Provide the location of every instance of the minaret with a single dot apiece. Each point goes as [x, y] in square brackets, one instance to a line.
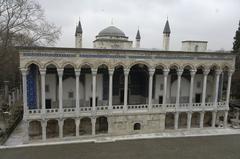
[166, 36]
[78, 36]
[138, 38]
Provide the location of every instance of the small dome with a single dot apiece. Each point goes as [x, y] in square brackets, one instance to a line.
[112, 31]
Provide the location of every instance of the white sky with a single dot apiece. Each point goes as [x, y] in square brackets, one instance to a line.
[212, 20]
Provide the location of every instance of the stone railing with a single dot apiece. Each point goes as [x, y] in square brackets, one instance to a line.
[158, 108]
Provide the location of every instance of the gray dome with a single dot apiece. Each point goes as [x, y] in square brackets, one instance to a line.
[112, 31]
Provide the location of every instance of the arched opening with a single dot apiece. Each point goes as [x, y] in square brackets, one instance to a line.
[158, 85]
[198, 85]
[33, 87]
[182, 120]
[35, 130]
[207, 119]
[85, 86]
[69, 127]
[224, 83]
[169, 121]
[101, 125]
[138, 84]
[211, 84]
[195, 121]
[102, 86]
[137, 126]
[85, 126]
[52, 128]
[118, 85]
[173, 83]
[51, 87]
[69, 87]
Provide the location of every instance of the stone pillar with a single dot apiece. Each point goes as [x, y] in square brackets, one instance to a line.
[176, 120]
[60, 90]
[94, 76]
[225, 119]
[110, 72]
[205, 74]
[43, 78]
[24, 85]
[179, 74]
[192, 72]
[214, 115]
[229, 87]
[26, 134]
[150, 88]
[93, 126]
[165, 78]
[189, 120]
[201, 119]
[60, 124]
[44, 130]
[77, 74]
[13, 97]
[217, 74]
[77, 122]
[6, 90]
[126, 72]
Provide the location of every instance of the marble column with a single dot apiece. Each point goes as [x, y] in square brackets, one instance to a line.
[77, 74]
[44, 130]
[60, 124]
[229, 86]
[60, 89]
[77, 122]
[126, 72]
[205, 74]
[214, 116]
[110, 72]
[192, 73]
[217, 75]
[201, 119]
[176, 115]
[165, 78]
[94, 76]
[93, 126]
[179, 74]
[225, 119]
[189, 120]
[43, 78]
[24, 86]
[150, 88]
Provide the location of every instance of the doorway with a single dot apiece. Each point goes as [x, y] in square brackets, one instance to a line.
[198, 97]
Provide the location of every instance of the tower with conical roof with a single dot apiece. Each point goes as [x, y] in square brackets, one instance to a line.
[166, 36]
[78, 35]
[138, 39]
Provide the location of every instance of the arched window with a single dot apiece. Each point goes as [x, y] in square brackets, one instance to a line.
[196, 48]
[137, 126]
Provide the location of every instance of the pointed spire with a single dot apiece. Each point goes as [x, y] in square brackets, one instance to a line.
[78, 28]
[167, 28]
[138, 36]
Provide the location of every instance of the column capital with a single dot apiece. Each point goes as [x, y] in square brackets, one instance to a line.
[42, 72]
[179, 72]
[165, 72]
[60, 71]
[94, 71]
[193, 72]
[206, 72]
[111, 71]
[77, 71]
[218, 72]
[230, 72]
[24, 71]
[126, 71]
[151, 71]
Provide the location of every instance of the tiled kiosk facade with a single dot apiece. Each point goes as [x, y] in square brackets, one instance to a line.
[136, 91]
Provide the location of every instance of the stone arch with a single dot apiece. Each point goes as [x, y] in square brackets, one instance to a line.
[195, 121]
[52, 129]
[35, 129]
[160, 66]
[103, 64]
[182, 120]
[188, 66]
[226, 67]
[88, 64]
[38, 64]
[174, 66]
[51, 63]
[137, 126]
[214, 66]
[121, 64]
[139, 63]
[201, 67]
[169, 120]
[68, 63]
[69, 127]
[101, 125]
[85, 126]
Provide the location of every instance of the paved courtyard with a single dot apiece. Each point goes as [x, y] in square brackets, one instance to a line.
[208, 147]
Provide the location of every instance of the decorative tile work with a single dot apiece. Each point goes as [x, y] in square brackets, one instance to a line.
[49, 54]
[31, 88]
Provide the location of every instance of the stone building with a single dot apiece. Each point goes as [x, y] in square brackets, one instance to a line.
[116, 88]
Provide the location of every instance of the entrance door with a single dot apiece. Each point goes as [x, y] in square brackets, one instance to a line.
[160, 100]
[198, 98]
[48, 103]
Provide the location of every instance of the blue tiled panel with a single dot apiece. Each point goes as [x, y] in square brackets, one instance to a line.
[31, 88]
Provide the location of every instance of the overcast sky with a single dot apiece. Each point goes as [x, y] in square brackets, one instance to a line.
[212, 20]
